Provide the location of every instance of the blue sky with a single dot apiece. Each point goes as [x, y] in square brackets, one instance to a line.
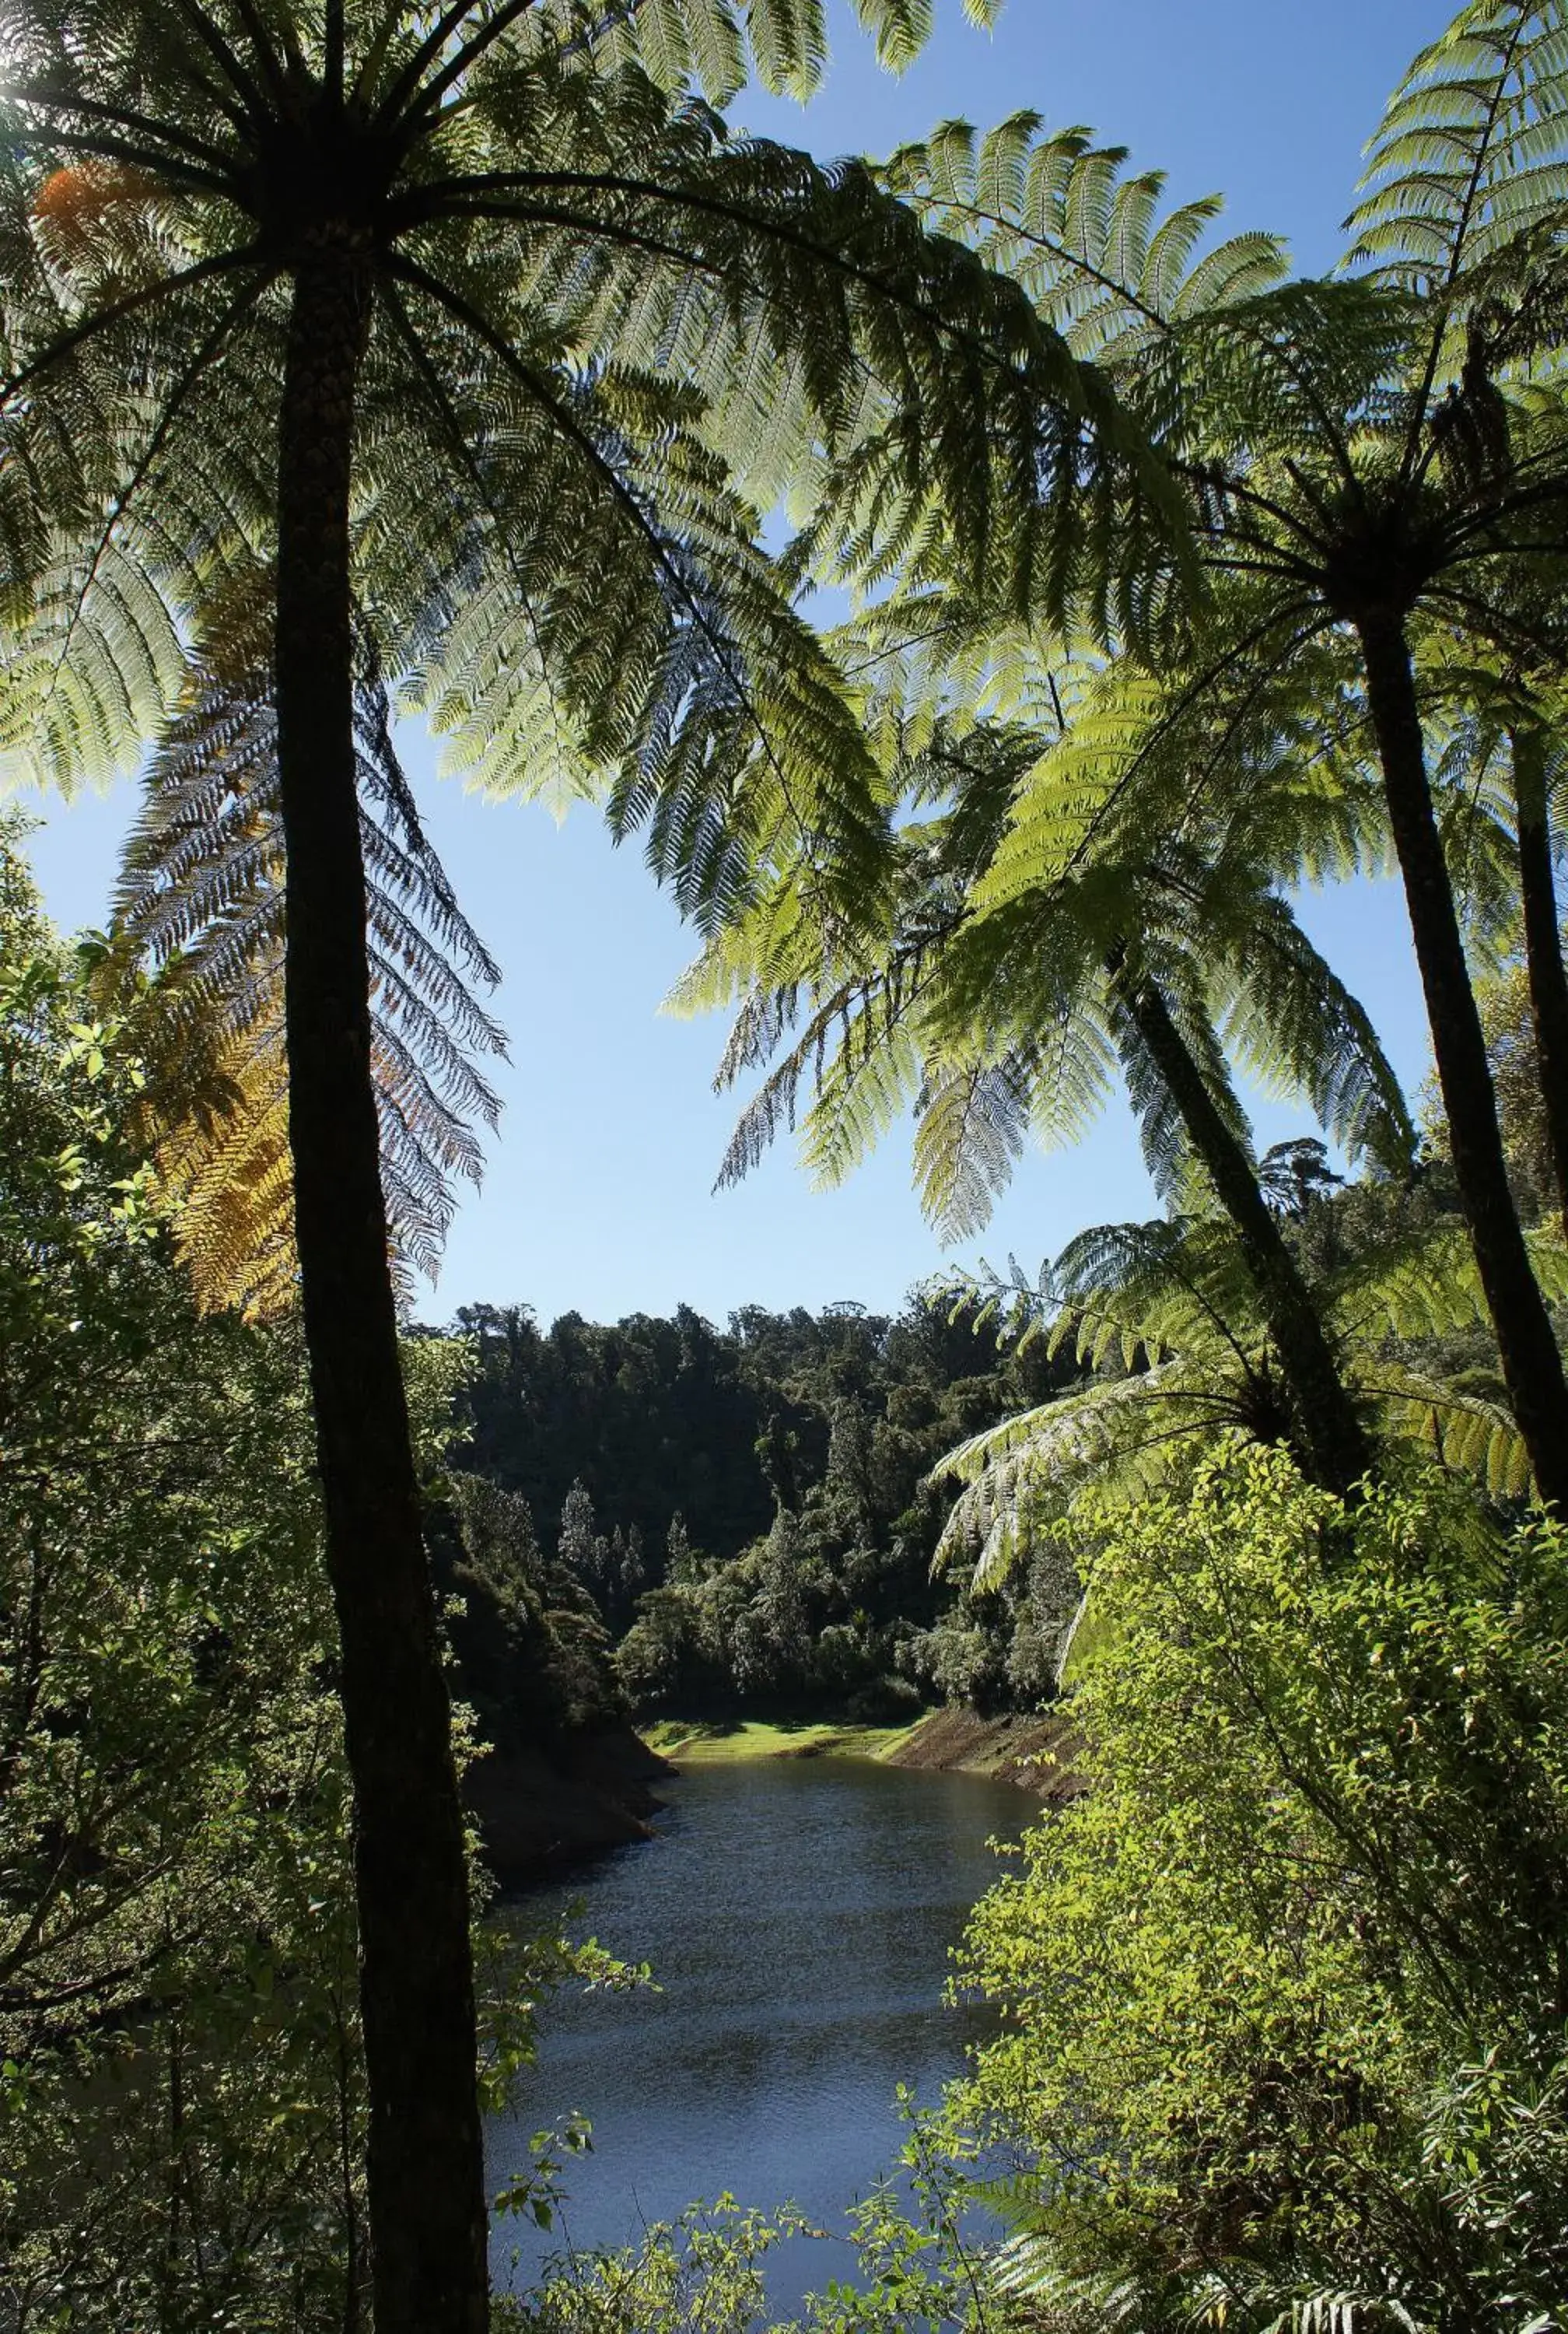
[597, 1195]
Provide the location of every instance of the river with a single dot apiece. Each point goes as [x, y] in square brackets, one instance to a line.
[799, 1916]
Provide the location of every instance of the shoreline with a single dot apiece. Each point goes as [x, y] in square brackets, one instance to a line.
[540, 1816]
[1033, 1752]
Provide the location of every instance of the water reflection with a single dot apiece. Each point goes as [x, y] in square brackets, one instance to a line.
[800, 1916]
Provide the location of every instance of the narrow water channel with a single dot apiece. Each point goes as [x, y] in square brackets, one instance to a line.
[800, 1916]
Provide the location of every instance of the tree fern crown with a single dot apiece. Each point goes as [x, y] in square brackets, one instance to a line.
[588, 317]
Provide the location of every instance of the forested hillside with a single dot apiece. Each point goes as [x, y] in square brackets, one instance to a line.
[751, 1508]
[759, 1520]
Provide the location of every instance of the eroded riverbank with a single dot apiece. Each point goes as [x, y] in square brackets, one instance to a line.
[1036, 1753]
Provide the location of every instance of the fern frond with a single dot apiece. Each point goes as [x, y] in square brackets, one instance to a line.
[1021, 1479]
[1173, 1287]
[1463, 1430]
[970, 1124]
[1428, 1285]
[201, 899]
[1171, 1305]
[1085, 238]
[1299, 1030]
[1471, 155]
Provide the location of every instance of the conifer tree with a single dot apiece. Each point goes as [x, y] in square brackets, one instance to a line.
[679, 1563]
[579, 1548]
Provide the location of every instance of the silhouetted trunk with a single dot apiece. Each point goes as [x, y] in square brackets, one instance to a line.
[428, 2221]
[1334, 1447]
[1532, 1365]
[1543, 950]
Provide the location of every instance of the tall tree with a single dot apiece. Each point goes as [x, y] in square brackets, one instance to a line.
[413, 303]
[1123, 277]
[1363, 456]
[996, 1019]
[1536, 761]
[1494, 732]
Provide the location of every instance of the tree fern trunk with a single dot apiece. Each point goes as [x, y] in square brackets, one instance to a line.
[1543, 950]
[1334, 1443]
[425, 2176]
[1532, 1365]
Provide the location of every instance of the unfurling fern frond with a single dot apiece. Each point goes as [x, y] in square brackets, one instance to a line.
[200, 899]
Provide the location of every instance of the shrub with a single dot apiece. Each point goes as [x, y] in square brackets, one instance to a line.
[1321, 1873]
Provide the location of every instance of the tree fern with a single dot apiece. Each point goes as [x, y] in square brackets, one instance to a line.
[1168, 1309]
[1471, 156]
[999, 1021]
[1009, 999]
[440, 314]
[202, 898]
[1120, 279]
[1366, 462]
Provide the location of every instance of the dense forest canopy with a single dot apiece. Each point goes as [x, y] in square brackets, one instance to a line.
[751, 1511]
[764, 1518]
[658, 1419]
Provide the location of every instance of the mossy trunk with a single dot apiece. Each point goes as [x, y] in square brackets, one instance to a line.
[425, 2169]
[1531, 1363]
[1333, 1443]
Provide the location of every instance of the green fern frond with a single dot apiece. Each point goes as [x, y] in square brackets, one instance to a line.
[1429, 1285]
[970, 1125]
[1171, 1305]
[1299, 1031]
[861, 1093]
[1021, 1479]
[1471, 155]
[1083, 236]
[1463, 1430]
[593, 312]
[1162, 1289]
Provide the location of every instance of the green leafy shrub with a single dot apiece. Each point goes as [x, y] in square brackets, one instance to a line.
[1285, 1994]
[182, 2095]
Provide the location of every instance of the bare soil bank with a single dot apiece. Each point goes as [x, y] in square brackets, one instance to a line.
[1039, 1754]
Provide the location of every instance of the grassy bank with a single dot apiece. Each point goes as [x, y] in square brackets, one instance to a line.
[696, 1743]
[1036, 1753]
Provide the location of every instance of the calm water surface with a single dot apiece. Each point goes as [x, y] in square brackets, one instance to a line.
[799, 1916]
